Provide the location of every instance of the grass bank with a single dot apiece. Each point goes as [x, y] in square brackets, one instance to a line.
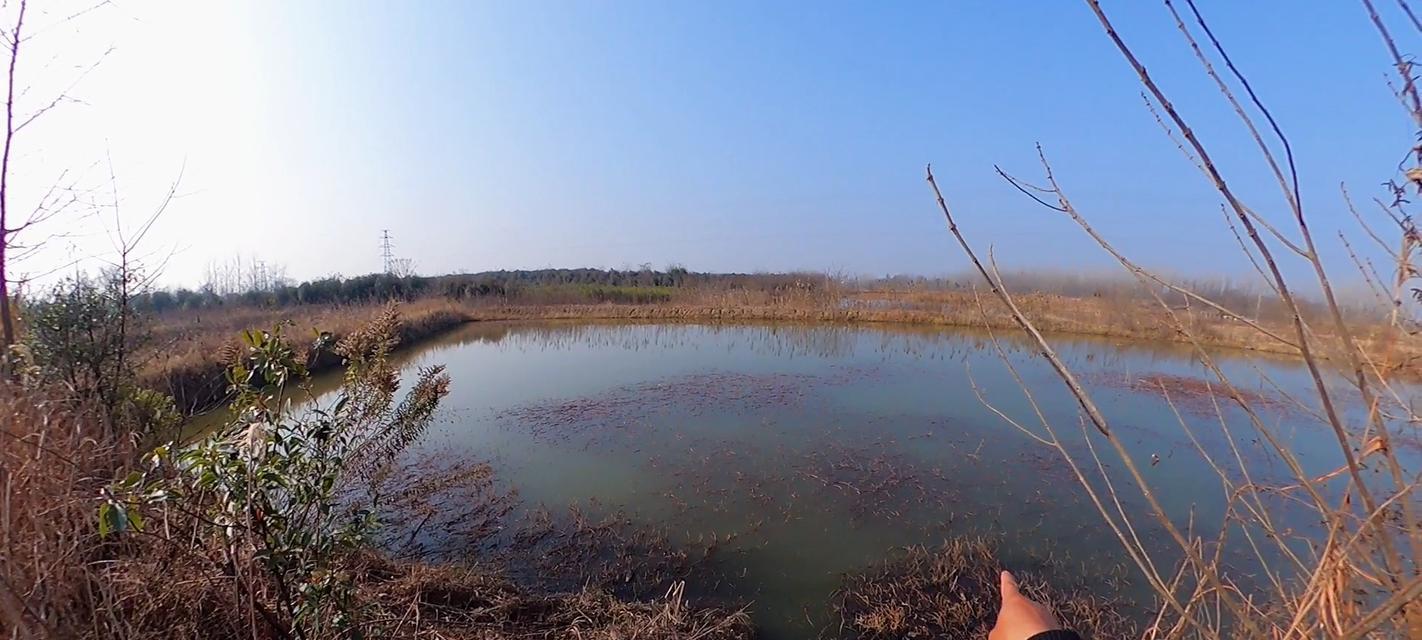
[191, 350]
[1052, 313]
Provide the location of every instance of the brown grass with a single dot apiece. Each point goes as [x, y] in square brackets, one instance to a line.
[952, 592]
[186, 358]
[160, 597]
[53, 460]
[1359, 575]
[1112, 317]
[458, 602]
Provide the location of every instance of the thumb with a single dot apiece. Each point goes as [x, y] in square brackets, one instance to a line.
[1009, 585]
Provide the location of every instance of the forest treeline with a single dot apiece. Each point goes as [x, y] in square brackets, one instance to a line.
[673, 283]
[538, 285]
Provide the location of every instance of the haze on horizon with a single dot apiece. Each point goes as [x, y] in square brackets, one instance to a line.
[728, 136]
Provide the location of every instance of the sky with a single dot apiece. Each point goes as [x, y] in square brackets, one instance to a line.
[724, 136]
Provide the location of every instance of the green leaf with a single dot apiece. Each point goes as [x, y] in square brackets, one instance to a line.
[113, 518]
[106, 519]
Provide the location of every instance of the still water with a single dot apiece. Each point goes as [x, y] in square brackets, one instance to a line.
[801, 453]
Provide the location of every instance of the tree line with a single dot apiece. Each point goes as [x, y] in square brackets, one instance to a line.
[509, 284]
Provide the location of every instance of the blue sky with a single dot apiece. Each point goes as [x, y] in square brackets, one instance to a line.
[726, 136]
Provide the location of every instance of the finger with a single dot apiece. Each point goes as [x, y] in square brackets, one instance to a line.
[1009, 585]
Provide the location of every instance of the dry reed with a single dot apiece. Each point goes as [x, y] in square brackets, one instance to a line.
[952, 592]
[1357, 573]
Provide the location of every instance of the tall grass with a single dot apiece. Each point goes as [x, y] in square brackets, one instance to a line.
[55, 456]
[591, 294]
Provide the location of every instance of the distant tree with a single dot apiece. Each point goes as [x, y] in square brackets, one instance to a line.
[160, 301]
[66, 193]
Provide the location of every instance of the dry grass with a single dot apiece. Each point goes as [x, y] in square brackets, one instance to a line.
[53, 460]
[185, 361]
[1112, 317]
[952, 592]
[156, 594]
[186, 358]
[1354, 572]
[427, 601]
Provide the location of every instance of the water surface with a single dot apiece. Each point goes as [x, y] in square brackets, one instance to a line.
[804, 452]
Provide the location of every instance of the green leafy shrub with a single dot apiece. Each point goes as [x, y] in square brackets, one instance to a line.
[82, 335]
[271, 493]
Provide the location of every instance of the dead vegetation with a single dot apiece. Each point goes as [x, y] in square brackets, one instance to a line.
[183, 360]
[1193, 394]
[454, 602]
[952, 592]
[1357, 574]
[190, 349]
[54, 459]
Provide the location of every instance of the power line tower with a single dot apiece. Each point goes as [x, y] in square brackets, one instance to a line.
[386, 253]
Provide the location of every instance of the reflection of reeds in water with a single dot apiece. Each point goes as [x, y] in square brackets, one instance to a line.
[1112, 317]
[814, 340]
[768, 339]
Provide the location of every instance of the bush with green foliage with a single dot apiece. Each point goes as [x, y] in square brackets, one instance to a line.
[272, 492]
[83, 335]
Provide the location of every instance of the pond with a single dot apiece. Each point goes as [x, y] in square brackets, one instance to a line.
[785, 456]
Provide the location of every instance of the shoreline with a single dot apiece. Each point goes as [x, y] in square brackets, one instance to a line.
[1052, 327]
[198, 384]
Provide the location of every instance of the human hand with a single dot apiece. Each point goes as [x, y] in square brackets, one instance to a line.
[1020, 618]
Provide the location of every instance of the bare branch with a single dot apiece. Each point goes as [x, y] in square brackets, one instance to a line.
[1408, 10]
[1013, 181]
[63, 96]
